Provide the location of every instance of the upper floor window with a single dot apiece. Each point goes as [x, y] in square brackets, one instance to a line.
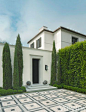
[38, 43]
[74, 40]
[32, 45]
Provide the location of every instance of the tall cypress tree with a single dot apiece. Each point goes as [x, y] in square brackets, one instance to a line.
[7, 68]
[53, 65]
[16, 72]
[20, 59]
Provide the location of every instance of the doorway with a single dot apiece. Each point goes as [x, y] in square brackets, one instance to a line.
[35, 71]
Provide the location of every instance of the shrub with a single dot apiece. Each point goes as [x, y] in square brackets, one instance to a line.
[70, 88]
[4, 92]
[58, 86]
[1, 88]
[15, 91]
[20, 91]
[9, 91]
[75, 89]
[7, 68]
[55, 85]
[23, 88]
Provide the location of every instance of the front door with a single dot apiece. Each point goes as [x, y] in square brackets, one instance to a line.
[35, 70]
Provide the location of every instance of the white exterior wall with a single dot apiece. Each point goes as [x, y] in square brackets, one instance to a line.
[48, 40]
[45, 59]
[57, 38]
[28, 55]
[42, 41]
[66, 38]
[62, 39]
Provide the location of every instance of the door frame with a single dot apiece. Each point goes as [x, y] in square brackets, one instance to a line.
[40, 68]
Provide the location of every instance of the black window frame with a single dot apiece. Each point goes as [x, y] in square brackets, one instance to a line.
[74, 40]
[32, 45]
[38, 43]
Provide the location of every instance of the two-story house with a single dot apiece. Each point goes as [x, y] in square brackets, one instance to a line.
[63, 37]
[38, 56]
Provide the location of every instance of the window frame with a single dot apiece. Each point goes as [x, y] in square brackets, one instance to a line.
[38, 43]
[32, 45]
[73, 37]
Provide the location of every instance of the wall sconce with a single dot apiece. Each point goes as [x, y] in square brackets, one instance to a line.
[46, 67]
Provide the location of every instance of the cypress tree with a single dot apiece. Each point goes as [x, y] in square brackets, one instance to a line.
[16, 72]
[53, 65]
[20, 59]
[7, 68]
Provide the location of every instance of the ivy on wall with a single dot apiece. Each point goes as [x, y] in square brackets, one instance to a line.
[72, 65]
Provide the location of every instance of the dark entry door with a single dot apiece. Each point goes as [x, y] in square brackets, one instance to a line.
[35, 70]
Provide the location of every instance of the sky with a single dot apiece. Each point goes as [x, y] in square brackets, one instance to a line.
[26, 17]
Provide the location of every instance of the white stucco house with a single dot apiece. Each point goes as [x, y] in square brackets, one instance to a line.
[63, 37]
[37, 57]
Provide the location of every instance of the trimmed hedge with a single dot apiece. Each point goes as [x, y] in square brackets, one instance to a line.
[76, 89]
[1, 88]
[58, 86]
[72, 65]
[4, 92]
[23, 89]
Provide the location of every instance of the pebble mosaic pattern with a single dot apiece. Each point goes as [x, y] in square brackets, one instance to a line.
[60, 100]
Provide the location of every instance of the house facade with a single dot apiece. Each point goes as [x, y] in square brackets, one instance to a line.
[34, 62]
[38, 56]
[63, 37]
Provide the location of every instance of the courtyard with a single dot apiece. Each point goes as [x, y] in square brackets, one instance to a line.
[59, 100]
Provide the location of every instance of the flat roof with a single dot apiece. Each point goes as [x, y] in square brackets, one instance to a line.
[61, 27]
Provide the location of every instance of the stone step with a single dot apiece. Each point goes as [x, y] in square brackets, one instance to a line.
[33, 85]
[40, 88]
[47, 86]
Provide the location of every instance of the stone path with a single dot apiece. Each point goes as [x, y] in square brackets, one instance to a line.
[60, 100]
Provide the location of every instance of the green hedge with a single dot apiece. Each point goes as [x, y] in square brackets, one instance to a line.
[72, 65]
[23, 88]
[1, 88]
[4, 92]
[76, 89]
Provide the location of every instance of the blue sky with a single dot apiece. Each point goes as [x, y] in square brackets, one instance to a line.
[26, 17]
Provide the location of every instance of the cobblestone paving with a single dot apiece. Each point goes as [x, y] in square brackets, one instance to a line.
[60, 100]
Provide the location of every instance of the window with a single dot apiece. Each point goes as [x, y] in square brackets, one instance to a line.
[38, 43]
[74, 40]
[32, 45]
